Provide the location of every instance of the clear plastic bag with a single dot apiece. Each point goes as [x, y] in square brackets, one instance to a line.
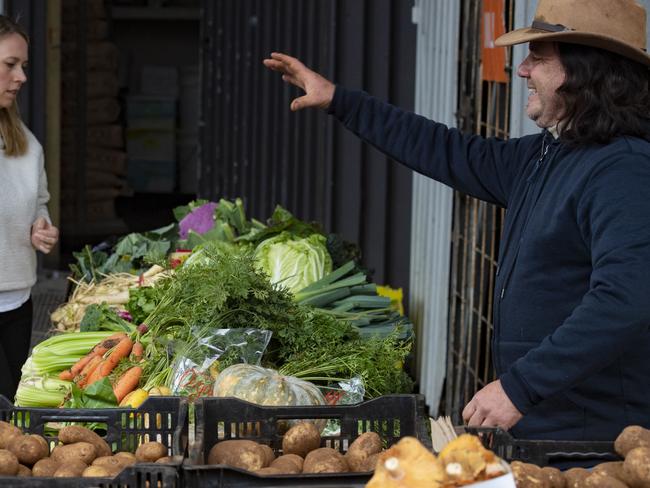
[198, 364]
[348, 392]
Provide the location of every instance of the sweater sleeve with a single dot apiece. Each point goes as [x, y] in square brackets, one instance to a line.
[483, 168]
[614, 314]
[43, 194]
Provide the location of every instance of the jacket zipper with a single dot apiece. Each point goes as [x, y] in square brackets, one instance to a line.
[529, 181]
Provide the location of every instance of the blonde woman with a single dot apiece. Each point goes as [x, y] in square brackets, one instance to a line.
[25, 224]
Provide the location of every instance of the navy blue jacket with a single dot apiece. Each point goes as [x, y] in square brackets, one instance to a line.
[571, 341]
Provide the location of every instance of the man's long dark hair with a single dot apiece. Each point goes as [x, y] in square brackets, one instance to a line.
[606, 96]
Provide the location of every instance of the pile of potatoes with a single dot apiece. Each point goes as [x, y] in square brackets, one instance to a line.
[301, 453]
[633, 445]
[81, 453]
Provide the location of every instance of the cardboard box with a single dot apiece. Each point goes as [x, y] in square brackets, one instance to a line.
[150, 145]
[151, 112]
[152, 176]
[159, 80]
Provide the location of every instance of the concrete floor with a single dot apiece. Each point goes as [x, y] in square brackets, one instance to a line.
[47, 294]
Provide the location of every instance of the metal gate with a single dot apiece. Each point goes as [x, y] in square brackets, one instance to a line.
[484, 109]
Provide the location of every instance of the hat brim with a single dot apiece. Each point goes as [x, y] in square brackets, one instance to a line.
[528, 34]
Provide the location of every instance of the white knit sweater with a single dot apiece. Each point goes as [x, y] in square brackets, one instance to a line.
[23, 198]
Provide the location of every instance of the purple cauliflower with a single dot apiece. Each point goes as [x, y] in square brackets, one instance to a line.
[200, 220]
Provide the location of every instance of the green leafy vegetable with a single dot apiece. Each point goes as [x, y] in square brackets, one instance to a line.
[102, 317]
[98, 395]
[292, 262]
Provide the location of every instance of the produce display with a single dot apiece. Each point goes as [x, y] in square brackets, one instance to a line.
[166, 311]
[406, 464]
[632, 444]
[217, 306]
[81, 453]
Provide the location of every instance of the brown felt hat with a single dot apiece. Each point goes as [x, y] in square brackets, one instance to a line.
[618, 26]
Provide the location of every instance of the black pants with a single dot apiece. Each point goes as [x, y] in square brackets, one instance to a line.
[15, 335]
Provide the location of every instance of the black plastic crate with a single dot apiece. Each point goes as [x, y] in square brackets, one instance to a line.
[162, 419]
[543, 452]
[218, 419]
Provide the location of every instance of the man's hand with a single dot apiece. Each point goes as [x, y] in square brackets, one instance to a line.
[491, 407]
[318, 90]
[44, 235]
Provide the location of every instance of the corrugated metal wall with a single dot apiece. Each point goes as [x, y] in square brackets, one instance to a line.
[436, 97]
[254, 147]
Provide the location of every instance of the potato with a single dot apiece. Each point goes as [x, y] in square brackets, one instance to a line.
[325, 460]
[167, 460]
[363, 466]
[29, 448]
[288, 464]
[301, 439]
[8, 463]
[150, 452]
[600, 480]
[75, 433]
[79, 451]
[45, 467]
[268, 470]
[575, 477]
[269, 454]
[7, 433]
[528, 475]
[553, 477]
[110, 463]
[632, 436]
[238, 453]
[363, 452]
[71, 469]
[97, 472]
[127, 458]
[24, 471]
[612, 468]
[636, 467]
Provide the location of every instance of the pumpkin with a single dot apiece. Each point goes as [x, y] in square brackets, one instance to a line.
[265, 386]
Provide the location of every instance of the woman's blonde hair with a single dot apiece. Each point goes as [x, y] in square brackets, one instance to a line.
[11, 127]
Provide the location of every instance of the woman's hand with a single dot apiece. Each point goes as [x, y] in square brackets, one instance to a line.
[44, 235]
[318, 90]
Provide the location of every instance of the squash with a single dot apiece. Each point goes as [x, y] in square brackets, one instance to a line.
[264, 386]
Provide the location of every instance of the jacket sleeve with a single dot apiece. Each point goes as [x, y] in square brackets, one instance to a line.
[614, 315]
[483, 168]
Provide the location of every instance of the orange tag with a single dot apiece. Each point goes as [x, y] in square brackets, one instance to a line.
[493, 26]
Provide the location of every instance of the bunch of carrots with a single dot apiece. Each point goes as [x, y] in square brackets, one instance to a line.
[102, 360]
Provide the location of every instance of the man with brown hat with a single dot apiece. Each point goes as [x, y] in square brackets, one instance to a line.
[571, 335]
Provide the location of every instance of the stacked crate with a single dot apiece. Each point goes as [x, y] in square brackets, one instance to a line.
[151, 131]
[102, 159]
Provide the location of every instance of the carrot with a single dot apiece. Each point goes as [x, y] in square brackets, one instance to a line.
[127, 382]
[117, 335]
[138, 350]
[99, 350]
[88, 370]
[94, 361]
[79, 365]
[96, 374]
[66, 375]
[120, 351]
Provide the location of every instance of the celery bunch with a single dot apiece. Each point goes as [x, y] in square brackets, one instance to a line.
[39, 385]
